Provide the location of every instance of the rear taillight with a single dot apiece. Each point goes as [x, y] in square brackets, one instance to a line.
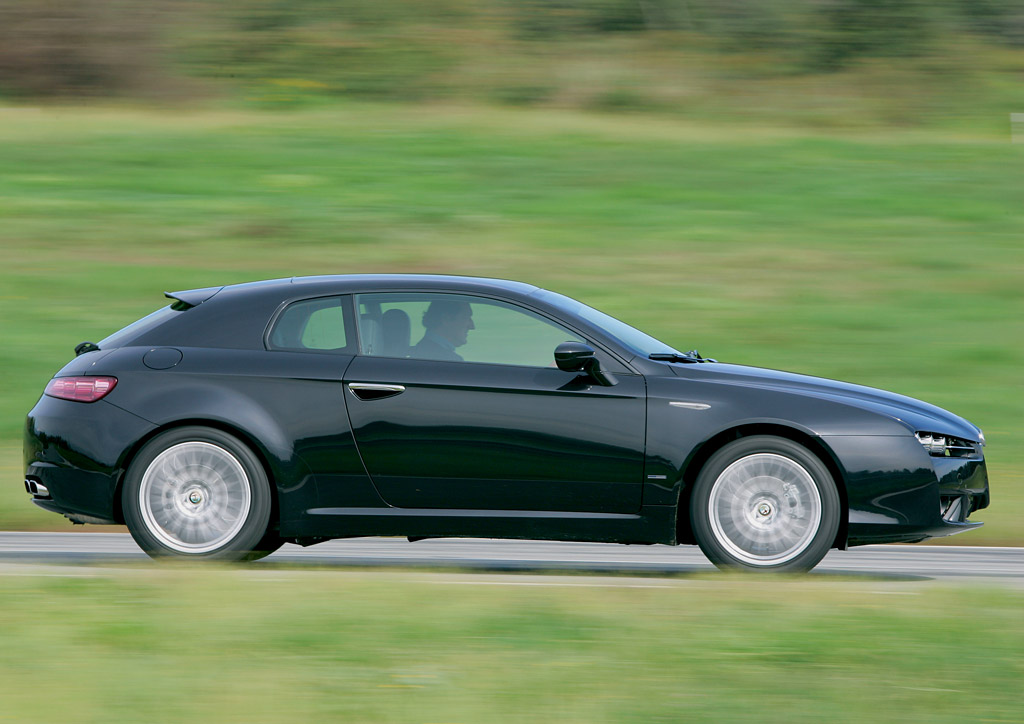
[80, 389]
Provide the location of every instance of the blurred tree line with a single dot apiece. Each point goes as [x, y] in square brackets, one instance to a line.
[519, 51]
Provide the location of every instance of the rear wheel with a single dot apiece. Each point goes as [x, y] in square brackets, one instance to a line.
[765, 503]
[197, 492]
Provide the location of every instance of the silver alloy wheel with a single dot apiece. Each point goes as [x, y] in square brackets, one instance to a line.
[195, 497]
[765, 509]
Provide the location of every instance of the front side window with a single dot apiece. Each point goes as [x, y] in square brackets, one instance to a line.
[456, 328]
[312, 325]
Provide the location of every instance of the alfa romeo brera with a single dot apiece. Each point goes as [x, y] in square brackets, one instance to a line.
[241, 417]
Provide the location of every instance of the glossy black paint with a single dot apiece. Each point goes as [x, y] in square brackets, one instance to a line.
[478, 449]
[495, 437]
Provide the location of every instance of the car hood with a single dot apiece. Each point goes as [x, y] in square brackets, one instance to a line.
[913, 413]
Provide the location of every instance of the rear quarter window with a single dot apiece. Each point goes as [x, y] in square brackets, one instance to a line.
[313, 325]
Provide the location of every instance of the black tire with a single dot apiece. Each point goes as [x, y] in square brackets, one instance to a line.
[197, 492]
[765, 503]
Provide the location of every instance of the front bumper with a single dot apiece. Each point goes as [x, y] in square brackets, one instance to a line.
[898, 493]
[963, 485]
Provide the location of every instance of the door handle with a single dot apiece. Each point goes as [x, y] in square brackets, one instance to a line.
[371, 391]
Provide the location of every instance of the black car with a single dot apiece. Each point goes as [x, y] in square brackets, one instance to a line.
[305, 409]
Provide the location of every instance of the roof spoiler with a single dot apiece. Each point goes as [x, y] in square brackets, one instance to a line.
[191, 297]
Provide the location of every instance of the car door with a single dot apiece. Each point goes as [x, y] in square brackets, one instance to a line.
[468, 411]
[310, 344]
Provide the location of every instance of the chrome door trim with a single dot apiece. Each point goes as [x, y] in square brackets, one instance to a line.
[373, 387]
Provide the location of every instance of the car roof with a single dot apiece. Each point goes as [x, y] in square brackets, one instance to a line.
[290, 287]
[348, 283]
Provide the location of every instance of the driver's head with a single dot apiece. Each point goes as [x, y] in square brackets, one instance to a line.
[450, 319]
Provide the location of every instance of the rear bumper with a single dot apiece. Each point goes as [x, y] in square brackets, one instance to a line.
[74, 454]
[78, 495]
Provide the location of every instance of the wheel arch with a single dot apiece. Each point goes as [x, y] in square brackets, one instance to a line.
[700, 456]
[246, 438]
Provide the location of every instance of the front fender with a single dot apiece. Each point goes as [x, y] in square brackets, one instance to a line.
[685, 418]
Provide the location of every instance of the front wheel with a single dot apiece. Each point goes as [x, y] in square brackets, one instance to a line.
[197, 492]
[765, 503]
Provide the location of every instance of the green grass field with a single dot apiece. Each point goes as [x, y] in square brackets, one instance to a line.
[223, 646]
[890, 259]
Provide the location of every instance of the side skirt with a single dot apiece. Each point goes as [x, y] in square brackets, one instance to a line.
[653, 524]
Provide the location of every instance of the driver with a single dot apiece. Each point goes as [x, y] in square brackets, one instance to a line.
[447, 323]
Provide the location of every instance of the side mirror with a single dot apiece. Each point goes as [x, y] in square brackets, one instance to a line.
[579, 357]
[573, 356]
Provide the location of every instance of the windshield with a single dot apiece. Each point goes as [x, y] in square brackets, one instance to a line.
[630, 337]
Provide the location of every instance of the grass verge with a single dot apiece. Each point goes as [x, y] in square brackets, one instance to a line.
[176, 645]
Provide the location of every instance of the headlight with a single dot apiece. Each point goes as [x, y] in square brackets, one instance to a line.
[945, 445]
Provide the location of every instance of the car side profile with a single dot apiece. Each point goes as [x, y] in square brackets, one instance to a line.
[306, 409]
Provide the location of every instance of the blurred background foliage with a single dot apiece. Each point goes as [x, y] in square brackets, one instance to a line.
[821, 62]
[825, 186]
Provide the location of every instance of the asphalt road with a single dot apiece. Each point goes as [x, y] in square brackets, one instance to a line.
[894, 562]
